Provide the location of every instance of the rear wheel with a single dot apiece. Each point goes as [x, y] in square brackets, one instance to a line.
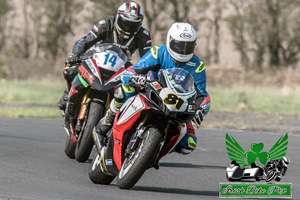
[85, 142]
[95, 173]
[70, 147]
[139, 161]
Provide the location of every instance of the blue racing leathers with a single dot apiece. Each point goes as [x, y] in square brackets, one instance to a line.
[158, 58]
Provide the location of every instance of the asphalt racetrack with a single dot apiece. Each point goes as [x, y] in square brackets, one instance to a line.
[33, 165]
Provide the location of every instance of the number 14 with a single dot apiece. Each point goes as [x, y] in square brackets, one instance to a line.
[112, 59]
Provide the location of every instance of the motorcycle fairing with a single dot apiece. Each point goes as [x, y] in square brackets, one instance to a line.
[125, 119]
[168, 147]
[174, 102]
[115, 79]
[90, 74]
[135, 106]
[109, 60]
[96, 76]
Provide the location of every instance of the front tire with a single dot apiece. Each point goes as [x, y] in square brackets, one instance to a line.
[139, 161]
[85, 142]
[95, 173]
[70, 147]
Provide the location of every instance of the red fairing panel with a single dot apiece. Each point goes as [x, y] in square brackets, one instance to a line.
[126, 120]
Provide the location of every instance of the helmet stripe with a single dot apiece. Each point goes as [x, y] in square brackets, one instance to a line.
[137, 9]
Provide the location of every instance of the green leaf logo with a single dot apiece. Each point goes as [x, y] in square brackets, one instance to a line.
[237, 153]
[257, 147]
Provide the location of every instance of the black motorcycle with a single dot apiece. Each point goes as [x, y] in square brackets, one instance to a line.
[99, 71]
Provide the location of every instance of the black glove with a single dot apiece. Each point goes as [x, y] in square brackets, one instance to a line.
[138, 79]
[128, 64]
[74, 58]
[199, 116]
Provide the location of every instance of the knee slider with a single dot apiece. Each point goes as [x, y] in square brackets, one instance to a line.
[119, 94]
[186, 145]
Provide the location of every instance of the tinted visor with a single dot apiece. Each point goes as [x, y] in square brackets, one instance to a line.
[182, 47]
[128, 26]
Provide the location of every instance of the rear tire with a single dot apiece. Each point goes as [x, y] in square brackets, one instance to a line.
[96, 175]
[134, 167]
[85, 143]
[70, 147]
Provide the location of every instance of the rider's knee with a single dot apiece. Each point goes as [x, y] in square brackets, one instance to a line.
[122, 93]
[187, 144]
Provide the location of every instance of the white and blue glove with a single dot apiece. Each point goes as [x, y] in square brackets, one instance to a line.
[138, 79]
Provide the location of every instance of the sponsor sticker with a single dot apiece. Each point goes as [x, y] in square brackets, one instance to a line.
[108, 161]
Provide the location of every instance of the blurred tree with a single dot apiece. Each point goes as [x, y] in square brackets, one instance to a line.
[257, 33]
[237, 26]
[214, 23]
[104, 8]
[59, 25]
[283, 31]
[195, 13]
[5, 8]
[36, 15]
[154, 11]
[268, 29]
[26, 39]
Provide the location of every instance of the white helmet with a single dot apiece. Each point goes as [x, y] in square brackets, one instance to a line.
[286, 160]
[181, 41]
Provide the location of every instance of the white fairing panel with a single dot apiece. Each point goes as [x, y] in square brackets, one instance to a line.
[133, 106]
[91, 65]
[181, 100]
[109, 60]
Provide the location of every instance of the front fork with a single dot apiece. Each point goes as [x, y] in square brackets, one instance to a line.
[82, 113]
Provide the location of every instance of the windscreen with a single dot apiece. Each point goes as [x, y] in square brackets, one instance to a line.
[180, 79]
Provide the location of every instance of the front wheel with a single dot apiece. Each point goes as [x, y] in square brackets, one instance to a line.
[139, 161]
[85, 142]
[95, 173]
[70, 147]
[270, 176]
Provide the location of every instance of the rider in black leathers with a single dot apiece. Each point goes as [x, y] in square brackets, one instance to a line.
[124, 29]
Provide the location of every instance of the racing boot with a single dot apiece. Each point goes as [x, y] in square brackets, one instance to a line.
[105, 125]
[61, 104]
[69, 117]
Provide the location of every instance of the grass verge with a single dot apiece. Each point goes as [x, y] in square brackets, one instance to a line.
[16, 112]
[255, 99]
[233, 99]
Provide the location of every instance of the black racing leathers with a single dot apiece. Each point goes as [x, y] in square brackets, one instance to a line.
[104, 31]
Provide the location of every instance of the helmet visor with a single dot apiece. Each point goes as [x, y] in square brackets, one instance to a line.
[182, 47]
[128, 26]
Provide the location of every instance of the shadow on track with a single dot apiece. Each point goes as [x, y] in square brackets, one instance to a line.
[188, 165]
[175, 191]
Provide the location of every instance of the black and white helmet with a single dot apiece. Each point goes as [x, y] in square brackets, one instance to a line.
[286, 160]
[129, 19]
[181, 41]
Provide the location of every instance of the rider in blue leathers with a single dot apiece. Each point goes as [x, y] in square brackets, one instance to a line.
[179, 52]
